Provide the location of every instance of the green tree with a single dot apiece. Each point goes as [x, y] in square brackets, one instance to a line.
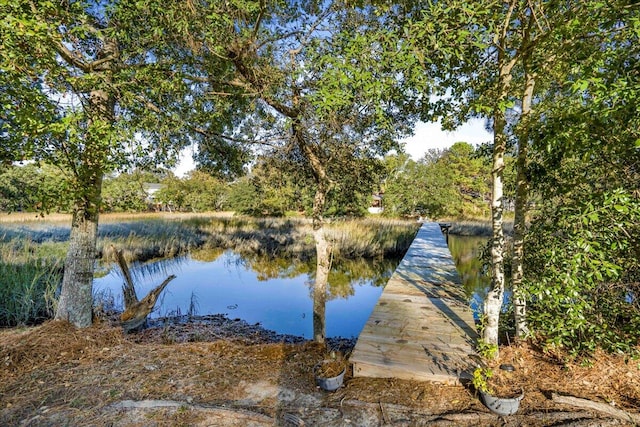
[423, 188]
[320, 89]
[204, 192]
[245, 197]
[124, 193]
[491, 56]
[585, 227]
[90, 90]
[470, 175]
[33, 188]
[445, 183]
[173, 192]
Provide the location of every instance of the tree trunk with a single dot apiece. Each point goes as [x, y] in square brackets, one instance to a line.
[323, 261]
[493, 302]
[495, 296]
[323, 267]
[323, 247]
[519, 223]
[76, 299]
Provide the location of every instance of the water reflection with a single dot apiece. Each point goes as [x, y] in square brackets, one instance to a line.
[274, 292]
[466, 252]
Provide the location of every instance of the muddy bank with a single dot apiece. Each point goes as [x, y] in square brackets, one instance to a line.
[182, 329]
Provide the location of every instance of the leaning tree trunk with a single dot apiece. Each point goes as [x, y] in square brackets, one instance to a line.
[519, 223]
[495, 296]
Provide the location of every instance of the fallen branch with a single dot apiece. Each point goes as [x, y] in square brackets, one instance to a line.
[128, 288]
[243, 416]
[134, 316]
[596, 406]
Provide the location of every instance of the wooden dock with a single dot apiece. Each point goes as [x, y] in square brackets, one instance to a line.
[422, 327]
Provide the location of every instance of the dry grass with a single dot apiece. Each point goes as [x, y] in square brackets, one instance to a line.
[32, 217]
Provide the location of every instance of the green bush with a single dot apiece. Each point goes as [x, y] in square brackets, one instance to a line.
[581, 262]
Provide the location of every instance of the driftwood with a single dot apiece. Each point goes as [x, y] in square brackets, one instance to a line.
[134, 316]
[597, 406]
[136, 312]
[128, 289]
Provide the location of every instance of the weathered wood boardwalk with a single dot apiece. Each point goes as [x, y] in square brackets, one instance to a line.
[422, 327]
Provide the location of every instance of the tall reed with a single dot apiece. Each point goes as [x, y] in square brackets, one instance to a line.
[371, 238]
[28, 284]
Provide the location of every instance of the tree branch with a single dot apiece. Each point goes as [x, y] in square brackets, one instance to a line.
[312, 29]
[70, 57]
[596, 406]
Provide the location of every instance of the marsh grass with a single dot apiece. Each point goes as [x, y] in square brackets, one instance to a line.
[477, 228]
[371, 238]
[28, 283]
[33, 252]
[293, 237]
[145, 240]
[153, 237]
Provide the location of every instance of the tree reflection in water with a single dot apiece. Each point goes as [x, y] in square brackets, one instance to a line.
[276, 292]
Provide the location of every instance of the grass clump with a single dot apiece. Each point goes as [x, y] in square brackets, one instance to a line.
[371, 238]
[149, 239]
[28, 283]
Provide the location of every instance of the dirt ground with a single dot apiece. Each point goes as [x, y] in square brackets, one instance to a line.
[218, 371]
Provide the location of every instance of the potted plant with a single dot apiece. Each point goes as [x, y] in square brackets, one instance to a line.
[497, 390]
[329, 373]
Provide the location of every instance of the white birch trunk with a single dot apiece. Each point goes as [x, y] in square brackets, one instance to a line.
[495, 296]
[519, 224]
[494, 299]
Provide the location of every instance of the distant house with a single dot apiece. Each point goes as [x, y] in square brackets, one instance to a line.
[376, 204]
[151, 189]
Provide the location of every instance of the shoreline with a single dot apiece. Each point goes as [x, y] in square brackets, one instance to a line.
[214, 327]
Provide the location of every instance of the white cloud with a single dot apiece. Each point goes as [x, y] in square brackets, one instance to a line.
[430, 135]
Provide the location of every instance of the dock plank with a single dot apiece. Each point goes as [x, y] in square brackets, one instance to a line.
[422, 327]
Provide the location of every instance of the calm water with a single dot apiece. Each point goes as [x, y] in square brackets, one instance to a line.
[466, 252]
[277, 293]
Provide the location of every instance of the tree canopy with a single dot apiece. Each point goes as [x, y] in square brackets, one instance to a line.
[311, 99]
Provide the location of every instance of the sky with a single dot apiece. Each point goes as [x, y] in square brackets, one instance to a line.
[429, 135]
[426, 136]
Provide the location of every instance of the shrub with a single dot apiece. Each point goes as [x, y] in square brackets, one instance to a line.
[582, 260]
